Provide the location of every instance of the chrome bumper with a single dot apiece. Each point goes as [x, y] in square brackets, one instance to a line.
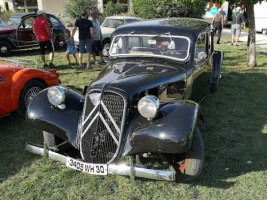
[121, 169]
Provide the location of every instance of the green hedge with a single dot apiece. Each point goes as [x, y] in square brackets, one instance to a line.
[148, 9]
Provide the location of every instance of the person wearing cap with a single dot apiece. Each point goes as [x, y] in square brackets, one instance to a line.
[217, 23]
[237, 19]
[86, 34]
[44, 37]
[97, 46]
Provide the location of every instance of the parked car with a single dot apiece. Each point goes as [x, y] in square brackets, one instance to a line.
[2, 23]
[20, 84]
[142, 106]
[107, 28]
[18, 33]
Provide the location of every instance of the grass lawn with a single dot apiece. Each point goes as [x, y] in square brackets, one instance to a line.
[234, 134]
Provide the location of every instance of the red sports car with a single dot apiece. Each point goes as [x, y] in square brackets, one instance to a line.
[19, 84]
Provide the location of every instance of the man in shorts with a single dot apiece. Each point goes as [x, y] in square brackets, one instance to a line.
[237, 19]
[97, 46]
[44, 37]
[86, 33]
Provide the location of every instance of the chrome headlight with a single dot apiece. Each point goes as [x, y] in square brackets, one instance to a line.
[56, 95]
[148, 106]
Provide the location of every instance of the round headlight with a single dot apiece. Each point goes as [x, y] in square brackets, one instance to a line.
[56, 95]
[148, 106]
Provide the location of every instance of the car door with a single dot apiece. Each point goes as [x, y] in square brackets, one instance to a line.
[202, 68]
[25, 35]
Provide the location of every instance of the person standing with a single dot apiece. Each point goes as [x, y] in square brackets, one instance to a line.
[97, 46]
[86, 33]
[71, 49]
[237, 19]
[217, 23]
[44, 37]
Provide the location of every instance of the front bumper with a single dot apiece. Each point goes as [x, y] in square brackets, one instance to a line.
[121, 169]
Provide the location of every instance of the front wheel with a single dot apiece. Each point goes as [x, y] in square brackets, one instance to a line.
[28, 92]
[5, 48]
[189, 165]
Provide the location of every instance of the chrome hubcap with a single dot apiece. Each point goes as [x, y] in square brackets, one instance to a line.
[30, 95]
[3, 49]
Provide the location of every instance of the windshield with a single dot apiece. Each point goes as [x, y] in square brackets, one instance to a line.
[113, 23]
[13, 21]
[174, 47]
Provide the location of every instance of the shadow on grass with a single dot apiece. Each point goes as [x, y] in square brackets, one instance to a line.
[233, 132]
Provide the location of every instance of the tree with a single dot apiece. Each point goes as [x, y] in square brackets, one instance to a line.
[251, 44]
[169, 8]
[74, 7]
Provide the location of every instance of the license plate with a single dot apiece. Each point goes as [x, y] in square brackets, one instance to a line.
[97, 169]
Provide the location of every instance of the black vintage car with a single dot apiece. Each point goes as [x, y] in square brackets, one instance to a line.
[138, 117]
[18, 33]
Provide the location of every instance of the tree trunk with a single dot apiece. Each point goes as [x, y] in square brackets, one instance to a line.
[251, 45]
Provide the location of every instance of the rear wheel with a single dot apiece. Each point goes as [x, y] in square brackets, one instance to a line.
[5, 48]
[28, 92]
[189, 165]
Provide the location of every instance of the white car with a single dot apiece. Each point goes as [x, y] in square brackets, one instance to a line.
[2, 23]
[107, 28]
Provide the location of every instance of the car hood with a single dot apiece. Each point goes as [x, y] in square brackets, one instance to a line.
[8, 70]
[135, 77]
[107, 30]
[7, 28]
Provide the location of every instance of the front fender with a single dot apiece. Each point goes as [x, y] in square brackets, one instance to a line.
[171, 132]
[20, 78]
[62, 123]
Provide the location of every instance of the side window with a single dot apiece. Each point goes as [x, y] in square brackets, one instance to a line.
[55, 22]
[50, 24]
[27, 23]
[202, 48]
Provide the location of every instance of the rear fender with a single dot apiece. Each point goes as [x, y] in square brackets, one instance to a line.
[171, 132]
[62, 123]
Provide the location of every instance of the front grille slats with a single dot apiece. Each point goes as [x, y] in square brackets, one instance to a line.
[100, 139]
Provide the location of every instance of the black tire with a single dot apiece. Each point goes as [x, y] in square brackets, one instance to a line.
[27, 93]
[59, 45]
[5, 48]
[106, 46]
[191, 166]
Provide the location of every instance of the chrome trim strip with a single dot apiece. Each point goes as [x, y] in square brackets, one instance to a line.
[90, 124]
[90, 114]
[110, 117]
[109, 130]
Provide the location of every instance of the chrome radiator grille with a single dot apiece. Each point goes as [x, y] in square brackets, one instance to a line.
[101, 126]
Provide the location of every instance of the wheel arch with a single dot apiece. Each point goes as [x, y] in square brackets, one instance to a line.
[19, 81]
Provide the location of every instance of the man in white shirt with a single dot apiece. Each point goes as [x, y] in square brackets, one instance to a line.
[97, 46]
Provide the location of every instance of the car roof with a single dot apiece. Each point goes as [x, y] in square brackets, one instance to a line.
[122, 17]
[175, 26]
[21, 15]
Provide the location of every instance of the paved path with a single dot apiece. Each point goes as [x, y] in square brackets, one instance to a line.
[261, 40]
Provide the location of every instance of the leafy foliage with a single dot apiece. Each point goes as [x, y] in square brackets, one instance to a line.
[74, 7]
[115, 8]
[168, 8]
